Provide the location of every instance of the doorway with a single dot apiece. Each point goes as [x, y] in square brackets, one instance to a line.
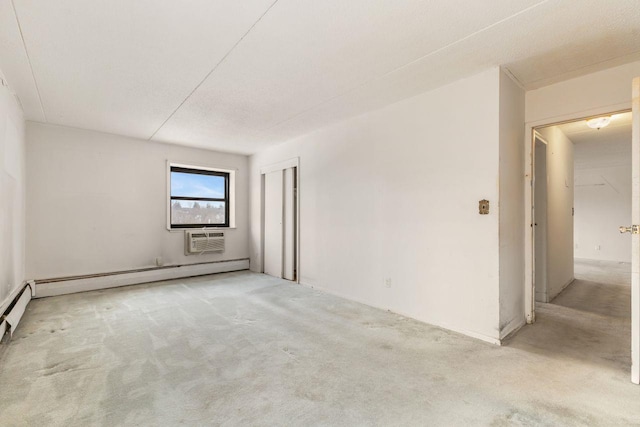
[280, 220]
[581, 194]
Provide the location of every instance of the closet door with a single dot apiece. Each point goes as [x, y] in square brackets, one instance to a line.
[273, 219]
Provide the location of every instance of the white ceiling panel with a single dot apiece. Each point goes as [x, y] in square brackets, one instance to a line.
[313, 94]
[14, 63]
[507, 42]
[124, 66]
[242, 75]
[304, 53]
[573, 37]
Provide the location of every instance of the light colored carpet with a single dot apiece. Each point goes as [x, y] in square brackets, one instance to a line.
[590, 320]
[247, 349]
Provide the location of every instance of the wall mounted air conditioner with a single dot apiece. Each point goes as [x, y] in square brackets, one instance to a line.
[199, 241]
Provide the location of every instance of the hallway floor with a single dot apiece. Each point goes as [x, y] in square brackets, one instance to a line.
[248, 349]
[590, 320]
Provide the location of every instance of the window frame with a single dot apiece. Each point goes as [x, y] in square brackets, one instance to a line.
[228, 176]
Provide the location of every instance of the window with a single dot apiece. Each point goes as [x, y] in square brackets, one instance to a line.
[198, 198]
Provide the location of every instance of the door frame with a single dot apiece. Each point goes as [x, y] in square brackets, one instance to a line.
[529, 153]
[536, 136]
[275, 167]
[635, 216]
[530, 298]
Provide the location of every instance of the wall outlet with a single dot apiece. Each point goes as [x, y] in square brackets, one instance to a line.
[159, 261]
[387, 282]
[597, 247]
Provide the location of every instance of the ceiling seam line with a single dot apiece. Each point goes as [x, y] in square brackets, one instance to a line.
[215, 67]
[26, 51]
[440, 49]
[475, 33]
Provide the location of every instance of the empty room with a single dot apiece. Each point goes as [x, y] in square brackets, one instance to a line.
[278, 212]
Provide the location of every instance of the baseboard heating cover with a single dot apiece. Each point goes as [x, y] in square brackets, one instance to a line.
[92, 282]
[10, 319]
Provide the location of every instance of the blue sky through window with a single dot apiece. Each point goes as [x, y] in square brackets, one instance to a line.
[196, 185]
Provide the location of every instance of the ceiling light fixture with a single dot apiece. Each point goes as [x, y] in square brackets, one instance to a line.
[599, 122]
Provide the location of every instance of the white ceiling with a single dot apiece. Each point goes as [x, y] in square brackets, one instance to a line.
[619, 129]
[242, 75]
[609, 147]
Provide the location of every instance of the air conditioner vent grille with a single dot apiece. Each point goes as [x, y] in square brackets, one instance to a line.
[197, 242]
[205, 235]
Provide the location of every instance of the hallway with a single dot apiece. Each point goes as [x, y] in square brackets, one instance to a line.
[589, 321]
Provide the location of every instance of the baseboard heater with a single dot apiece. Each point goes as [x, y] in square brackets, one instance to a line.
[13, 314]
[92, 282]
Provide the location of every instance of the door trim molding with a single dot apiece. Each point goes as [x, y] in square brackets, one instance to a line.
[285, 164]
[635, 248]
[530, 134]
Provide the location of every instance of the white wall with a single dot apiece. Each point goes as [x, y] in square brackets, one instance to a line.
[560, 190]
[602, 200]
[605, 91]
[511, 206]
[394, 194]
[97, 202]
[12, 199]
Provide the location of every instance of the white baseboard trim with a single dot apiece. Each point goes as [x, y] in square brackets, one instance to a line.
[440, 325]
[541, 297]
[511, 328]
[9, 299]
[62, 286]
[9, 320]
[551, 297]
[603, 261]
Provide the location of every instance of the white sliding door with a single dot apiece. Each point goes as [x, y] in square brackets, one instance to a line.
[280, 220]
[273, 223]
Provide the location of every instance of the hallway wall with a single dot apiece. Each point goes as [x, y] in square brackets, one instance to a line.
[560, 191]
[12, 195]
[602, 200]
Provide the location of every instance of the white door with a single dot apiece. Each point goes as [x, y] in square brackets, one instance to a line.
[635, 238]
[273, 218]
[280, 223]
[540, 220]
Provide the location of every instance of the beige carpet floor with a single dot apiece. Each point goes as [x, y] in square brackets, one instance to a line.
[247, 349]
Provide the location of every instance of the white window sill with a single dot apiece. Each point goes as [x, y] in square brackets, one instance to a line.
[181, 230]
